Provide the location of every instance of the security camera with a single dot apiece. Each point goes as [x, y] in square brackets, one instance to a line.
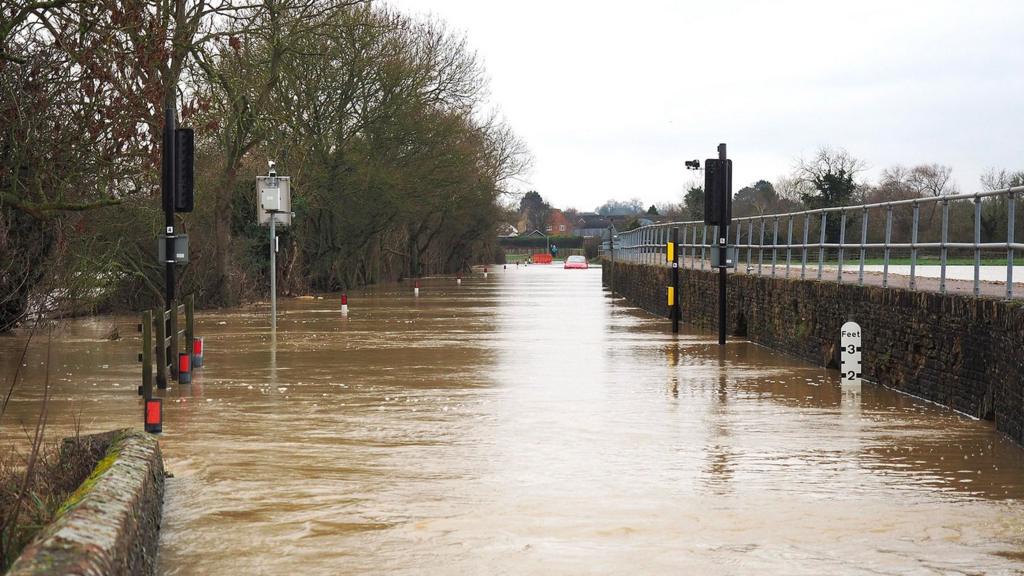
[692, 164]
[273, 167]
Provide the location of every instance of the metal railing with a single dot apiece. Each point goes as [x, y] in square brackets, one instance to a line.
[769, 238]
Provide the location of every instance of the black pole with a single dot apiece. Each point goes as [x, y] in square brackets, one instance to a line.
[723, 250]
[167, 192]
[674, 240]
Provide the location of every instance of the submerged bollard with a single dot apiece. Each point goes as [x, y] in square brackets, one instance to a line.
[485, 271]
[344, 304]
[184, 368]
[197, 352]
[458, 279]
[416, 289]
[153, 415]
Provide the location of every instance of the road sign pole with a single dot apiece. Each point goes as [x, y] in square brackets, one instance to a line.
[273, 274]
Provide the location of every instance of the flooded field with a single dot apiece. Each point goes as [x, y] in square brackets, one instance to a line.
[530, 423]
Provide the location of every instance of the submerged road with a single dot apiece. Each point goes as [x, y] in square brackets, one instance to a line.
[530, 423]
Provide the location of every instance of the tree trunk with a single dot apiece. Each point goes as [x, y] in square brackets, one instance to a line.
[223, 291]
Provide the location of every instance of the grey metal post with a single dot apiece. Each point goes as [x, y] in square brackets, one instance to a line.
[703, 243]
[750, 243]
[273, 275]
[913, 247]
[789, 245]
[647, 248]
[775, 243]
[739, 232]
[888, 238]
[695, 249]
[943, 251]
[686, 235]
[863, 241]
[821, 246]
[1010, 223]
[662, 233]
[977, 249]
[842, 240]
[803, 257]
[760, 248]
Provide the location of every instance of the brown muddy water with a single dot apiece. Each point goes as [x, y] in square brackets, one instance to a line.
[529, 423]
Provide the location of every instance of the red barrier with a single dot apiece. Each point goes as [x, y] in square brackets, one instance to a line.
[541, 258]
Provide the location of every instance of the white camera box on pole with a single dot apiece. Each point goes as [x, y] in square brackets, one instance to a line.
[274, 195]
[273, 208]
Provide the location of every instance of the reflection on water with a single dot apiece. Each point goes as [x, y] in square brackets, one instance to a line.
[531, 423]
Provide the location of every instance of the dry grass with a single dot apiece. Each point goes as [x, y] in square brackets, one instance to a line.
[58, 471]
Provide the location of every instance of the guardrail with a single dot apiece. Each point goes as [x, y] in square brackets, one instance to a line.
[647, 244]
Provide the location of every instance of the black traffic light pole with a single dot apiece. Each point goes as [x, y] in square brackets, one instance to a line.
[167, 191]
[176, 189]
[723, 235]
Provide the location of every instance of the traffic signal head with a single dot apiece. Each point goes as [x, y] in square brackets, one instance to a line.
[184, 151]
[717, 192]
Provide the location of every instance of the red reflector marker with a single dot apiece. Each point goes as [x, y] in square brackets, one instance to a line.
[344, 304]
[197, 352]
[154, 416]
[184, 368]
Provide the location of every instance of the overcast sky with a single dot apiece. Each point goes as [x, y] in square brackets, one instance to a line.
[612, 97]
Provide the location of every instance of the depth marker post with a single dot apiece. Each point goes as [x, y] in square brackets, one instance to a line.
[672, 255]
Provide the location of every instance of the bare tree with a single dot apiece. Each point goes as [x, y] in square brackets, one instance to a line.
[932, 180]
[832, 173]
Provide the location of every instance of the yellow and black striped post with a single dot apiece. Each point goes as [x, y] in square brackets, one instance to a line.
[671, 254]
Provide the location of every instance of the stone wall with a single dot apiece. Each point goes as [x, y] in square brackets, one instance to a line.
[111, 524]
[959, 351]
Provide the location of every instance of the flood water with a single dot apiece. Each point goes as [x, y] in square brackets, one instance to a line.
[530, 423]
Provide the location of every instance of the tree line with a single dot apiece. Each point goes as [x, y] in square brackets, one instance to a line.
[834, 177]
[398, 168]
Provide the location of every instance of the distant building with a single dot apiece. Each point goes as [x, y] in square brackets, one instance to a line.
[506, 230]
[558, 224]
[591, 225]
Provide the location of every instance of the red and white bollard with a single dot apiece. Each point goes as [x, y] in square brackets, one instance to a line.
[416, 288]
[458, 279]
[485, 271]
[153, 416]
[197, 352]
[344, 304]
